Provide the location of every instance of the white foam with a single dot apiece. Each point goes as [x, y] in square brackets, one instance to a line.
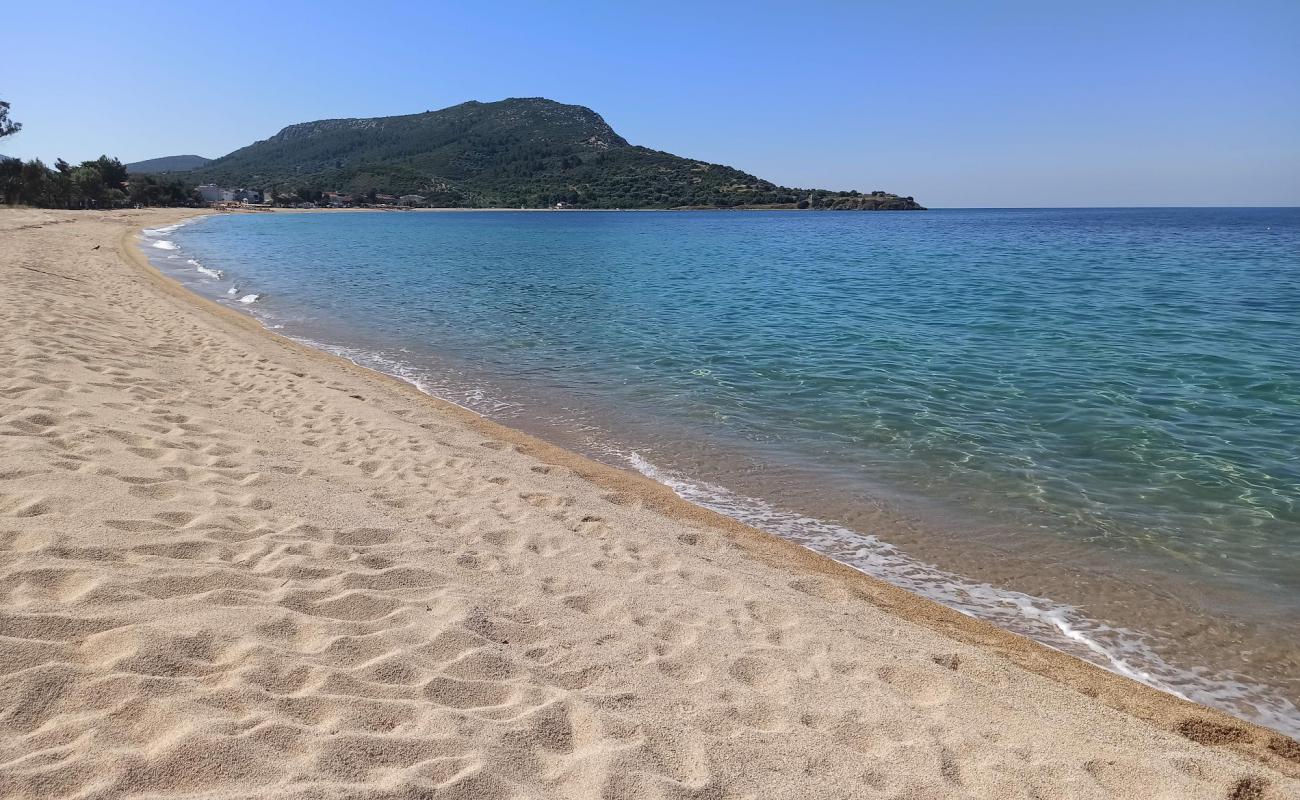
[211, 273]
[166, 229]
[233, 290]
[249, 299]
[1057, 625]
[475, 400]
[164, 244]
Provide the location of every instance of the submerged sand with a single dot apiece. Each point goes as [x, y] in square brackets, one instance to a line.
[231, 566]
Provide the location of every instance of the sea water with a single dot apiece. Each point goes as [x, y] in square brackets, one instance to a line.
[1082, 425]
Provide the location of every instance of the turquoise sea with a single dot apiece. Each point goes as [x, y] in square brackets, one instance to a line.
[1081, 424]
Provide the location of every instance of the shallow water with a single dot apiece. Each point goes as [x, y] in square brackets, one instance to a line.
[1081, 424]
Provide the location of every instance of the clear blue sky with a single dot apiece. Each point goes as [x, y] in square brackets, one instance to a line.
[957, 103]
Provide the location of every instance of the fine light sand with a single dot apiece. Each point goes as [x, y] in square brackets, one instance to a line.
[233, 567]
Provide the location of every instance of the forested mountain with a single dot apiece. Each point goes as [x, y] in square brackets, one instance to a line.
[528, 152]
[167, 164]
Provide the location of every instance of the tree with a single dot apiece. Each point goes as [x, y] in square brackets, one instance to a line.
[102, 183]
[110, 169]
[7, 126]
[37, 184]
[87, 185]
[11, 180]
[62, 178]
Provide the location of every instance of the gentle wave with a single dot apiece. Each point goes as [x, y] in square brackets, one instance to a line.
[249, 299]
[211, 273]
[163, 244]
[166, 229]
[475, 399]
[1060, 626]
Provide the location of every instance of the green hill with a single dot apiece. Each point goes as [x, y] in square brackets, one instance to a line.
[528, 152]
[167, 164]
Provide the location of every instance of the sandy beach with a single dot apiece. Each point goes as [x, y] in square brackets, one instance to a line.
[234, 567]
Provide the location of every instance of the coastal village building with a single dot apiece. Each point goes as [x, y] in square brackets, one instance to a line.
[212, 193]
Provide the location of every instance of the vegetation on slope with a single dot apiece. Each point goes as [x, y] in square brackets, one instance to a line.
[167, 164]
[528, 152]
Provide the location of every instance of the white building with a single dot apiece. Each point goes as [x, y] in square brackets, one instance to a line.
[212, 193]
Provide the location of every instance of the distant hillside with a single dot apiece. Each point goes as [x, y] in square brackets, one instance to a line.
[518, 152]
[168, 164]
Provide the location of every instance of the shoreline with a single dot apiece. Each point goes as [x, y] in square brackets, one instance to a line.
[1020, 650]
[366, 432]
[457, 209]
[927, 550]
